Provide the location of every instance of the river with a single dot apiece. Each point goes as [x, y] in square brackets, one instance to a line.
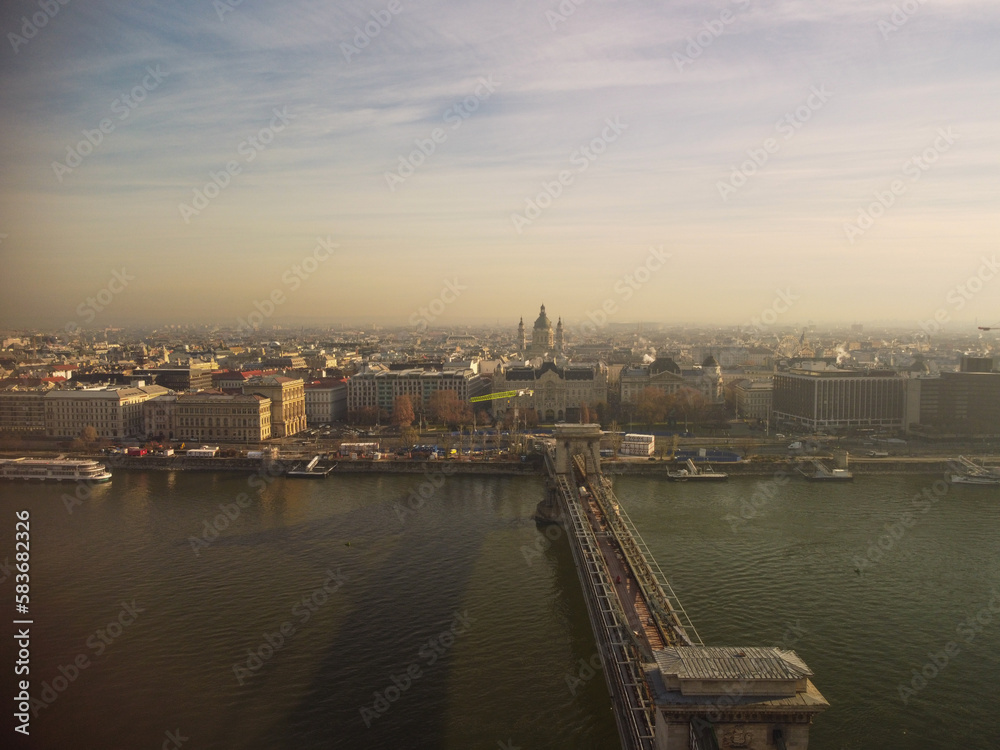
[335, 614]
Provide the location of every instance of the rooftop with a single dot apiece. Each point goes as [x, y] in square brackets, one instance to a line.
[731, 663]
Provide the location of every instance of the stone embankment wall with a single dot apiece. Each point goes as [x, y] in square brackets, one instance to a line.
[860, 466]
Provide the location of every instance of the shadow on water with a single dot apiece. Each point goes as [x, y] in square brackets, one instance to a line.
[385, 631]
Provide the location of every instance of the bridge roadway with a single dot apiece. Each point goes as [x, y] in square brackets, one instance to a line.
[632, 608]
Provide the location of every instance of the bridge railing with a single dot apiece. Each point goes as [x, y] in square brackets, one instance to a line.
[663, 602]
[621, 653]
[657, 571]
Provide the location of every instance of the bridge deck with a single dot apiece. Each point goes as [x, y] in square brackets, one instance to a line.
[626, 587]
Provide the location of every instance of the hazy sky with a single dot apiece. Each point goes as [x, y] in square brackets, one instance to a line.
[741, 138]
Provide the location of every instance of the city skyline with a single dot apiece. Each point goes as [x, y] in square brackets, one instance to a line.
[565, 149]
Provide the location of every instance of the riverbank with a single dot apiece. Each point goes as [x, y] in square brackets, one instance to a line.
[659, 468]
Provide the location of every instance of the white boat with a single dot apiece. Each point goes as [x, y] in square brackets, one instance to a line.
[972, 473]
[55, 469]
[823, 474]
[693, 473]
[982, 481]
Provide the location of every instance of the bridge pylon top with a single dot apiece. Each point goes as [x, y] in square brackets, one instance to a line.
[577, 439]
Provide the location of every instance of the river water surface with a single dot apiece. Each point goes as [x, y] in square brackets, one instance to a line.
[327, 614]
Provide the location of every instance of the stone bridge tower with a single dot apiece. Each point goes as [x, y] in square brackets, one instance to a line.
[577, 439]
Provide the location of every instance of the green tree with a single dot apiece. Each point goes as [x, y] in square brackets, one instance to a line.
[408, 437]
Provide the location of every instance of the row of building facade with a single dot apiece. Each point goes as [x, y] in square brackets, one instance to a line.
[239, 406]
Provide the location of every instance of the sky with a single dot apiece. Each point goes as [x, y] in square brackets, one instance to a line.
[429, 163]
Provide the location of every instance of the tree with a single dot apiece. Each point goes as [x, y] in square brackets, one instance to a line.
[600, 412]
[88, 434]
[444, 407]
[363, 416]
[652, 405]
[408, 437]
[687, 403]
[402, 411]
[616, 436]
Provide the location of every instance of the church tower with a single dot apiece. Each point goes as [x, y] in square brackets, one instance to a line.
[542, 338]
[559, 337]
[521, 343]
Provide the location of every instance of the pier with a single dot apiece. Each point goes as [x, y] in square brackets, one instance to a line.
[668, 690]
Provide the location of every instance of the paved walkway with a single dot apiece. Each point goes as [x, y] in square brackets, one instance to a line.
[629, 594]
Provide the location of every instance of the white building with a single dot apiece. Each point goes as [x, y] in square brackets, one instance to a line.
[378, 386]
[113, 412]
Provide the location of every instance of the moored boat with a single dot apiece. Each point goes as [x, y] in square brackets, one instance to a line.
[981, 480]
[823, 474]
[694, 473]
[54, 469]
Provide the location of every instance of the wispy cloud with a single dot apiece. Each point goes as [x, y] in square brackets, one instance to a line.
[688, 126]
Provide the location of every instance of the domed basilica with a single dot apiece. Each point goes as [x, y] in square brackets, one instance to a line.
[544, 341]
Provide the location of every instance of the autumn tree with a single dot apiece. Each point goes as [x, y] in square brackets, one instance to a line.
[444, 407]
[402, 411]
[88, 434]
[651, 406]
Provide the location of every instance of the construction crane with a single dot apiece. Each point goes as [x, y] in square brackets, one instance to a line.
[502, 394]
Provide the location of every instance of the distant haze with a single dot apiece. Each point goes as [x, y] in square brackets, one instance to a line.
[822, 161]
